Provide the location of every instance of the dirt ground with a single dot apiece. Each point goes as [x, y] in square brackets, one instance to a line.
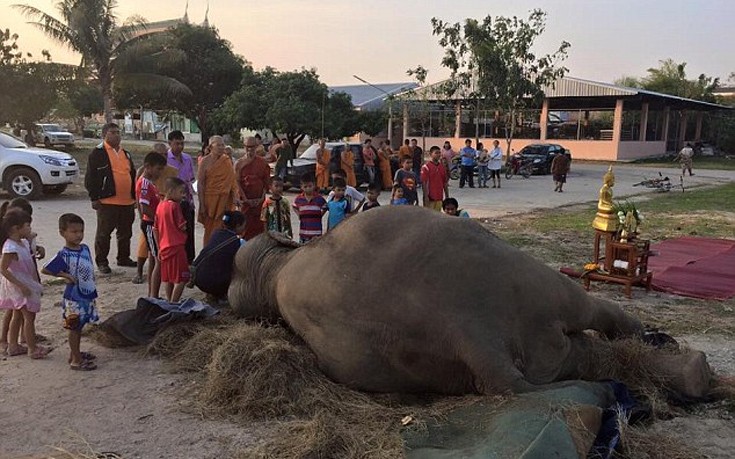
[132, 404]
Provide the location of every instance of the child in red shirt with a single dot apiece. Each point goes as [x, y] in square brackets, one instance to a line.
[171, 232]
[146, 194]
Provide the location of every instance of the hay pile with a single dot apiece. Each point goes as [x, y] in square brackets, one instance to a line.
[260, 372]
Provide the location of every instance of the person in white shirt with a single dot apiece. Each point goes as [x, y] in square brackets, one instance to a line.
[685, 159]
[496, 162]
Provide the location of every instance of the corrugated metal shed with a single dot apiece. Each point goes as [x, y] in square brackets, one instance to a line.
[575, 87]
[366, 97]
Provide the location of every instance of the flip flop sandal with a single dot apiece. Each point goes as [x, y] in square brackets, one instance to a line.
[86, 365]
[20, 350]
[39, 354]
[86, 356]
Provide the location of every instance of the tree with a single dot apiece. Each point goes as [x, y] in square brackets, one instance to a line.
[295, 104]
[419, 105]
[29, 88]
[629, 82]
[91, 28]
[670, 78]
[197, 58]
[492, 61]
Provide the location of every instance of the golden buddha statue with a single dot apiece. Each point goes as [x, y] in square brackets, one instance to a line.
[606, 219]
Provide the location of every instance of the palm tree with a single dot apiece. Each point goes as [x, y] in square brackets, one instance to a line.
[91, 28]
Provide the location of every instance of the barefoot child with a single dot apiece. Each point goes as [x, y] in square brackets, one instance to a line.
[171, 236]
[147, 195]
[20, 288]
[74, 264]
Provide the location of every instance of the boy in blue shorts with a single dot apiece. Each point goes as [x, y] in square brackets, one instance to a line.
[74, 264]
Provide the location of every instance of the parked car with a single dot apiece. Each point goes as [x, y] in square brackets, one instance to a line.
[27, 172]
[53, 134]
[307, 163]
[542, 154]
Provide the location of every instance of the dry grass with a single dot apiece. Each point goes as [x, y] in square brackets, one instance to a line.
[261, 372]
[643, 443]
[258, 372]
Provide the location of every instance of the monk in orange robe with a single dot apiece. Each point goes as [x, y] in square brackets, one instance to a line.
[384, 164]
[253, 179]
[322, 166]
[348, 165]
[216, 187]
[405, 151]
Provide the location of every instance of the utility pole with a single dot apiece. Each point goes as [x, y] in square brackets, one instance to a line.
[390, 106]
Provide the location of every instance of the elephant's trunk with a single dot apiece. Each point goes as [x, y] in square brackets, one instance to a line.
[252, 292]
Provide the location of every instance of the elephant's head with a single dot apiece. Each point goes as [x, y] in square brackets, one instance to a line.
[252, 292]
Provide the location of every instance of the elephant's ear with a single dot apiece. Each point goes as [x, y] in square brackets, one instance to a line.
[283, 240]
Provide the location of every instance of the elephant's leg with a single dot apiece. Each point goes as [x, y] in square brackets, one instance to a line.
[610, 320]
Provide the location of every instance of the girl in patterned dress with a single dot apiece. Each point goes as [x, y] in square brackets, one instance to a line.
[74, 264]
[20, 286]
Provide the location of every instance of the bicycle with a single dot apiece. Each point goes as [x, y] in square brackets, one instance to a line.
[661, 184]
[518, 166]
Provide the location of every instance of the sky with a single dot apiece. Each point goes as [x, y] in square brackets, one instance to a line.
[379, 40]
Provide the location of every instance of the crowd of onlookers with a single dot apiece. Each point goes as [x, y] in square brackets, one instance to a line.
[234, 200]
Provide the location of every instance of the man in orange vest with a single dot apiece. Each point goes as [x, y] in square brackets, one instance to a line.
[110, 183]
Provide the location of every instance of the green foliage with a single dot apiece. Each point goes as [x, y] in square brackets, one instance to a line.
[493, 61]
[418, 100]
[292, 103]
[670, 78]
[372, 122]
[29, 88]
[91, 28]
[192, 56]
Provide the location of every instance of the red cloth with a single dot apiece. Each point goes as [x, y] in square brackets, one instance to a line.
[434, 177]
[171, 225]
[174, 265]
[694, 267]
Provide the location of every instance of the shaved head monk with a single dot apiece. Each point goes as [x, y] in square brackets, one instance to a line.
[216, 187]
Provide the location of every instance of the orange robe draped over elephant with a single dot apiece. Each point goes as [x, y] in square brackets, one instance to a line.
[348, 165]
[322, 168]
[220, 190]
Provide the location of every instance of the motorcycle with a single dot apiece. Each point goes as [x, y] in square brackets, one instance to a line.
[455, 168]
[518, 165]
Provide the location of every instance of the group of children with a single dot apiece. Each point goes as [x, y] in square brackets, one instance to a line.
[21, 289]
[343, 201]
[164, 227]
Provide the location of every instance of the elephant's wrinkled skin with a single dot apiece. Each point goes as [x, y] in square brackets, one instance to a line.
[403, 299]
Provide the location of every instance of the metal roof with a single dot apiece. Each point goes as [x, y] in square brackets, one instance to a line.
[571, 87]
[366, 97]
[577, 87]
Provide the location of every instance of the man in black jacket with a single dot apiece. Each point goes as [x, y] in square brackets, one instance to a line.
[110, 183]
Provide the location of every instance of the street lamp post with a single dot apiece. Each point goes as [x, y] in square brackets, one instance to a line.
[390, 106]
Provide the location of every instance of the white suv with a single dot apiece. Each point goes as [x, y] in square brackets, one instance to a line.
[27, 172]
[53, 134]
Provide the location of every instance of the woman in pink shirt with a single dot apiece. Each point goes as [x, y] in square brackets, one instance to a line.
[447, 155]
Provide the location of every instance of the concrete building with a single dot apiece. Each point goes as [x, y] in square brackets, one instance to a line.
[594, 120]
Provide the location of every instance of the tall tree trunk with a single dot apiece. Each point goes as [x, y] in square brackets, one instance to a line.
[105, 82]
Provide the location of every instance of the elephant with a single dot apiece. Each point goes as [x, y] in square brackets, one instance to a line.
[406, 299]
